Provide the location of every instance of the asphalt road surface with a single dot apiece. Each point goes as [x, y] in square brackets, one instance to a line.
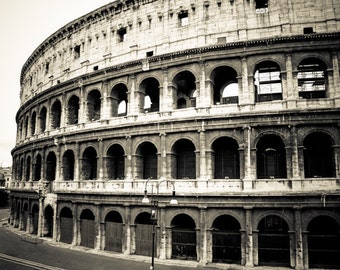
[18, 254]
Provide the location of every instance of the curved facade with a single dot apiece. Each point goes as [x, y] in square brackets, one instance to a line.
[234, 104]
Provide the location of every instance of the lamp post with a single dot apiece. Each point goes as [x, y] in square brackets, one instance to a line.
[154, 209]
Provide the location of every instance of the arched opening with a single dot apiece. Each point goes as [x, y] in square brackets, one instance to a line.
[226, 240]
[73, 110]
[119, 100]
[267, 82]
[150, 88]
[146, 161]
[66, 225]
[319, 160]
[185, 84]
[33, 123]
[93, 105]
[35, 219]
[183, 238]
[113, 231]
[51, 163]
[115, 162]
[56, 114]
[225, 85]
[37, 168]
[183, 162]
[273, 241]
[87, 229]
[312, 78]
[143, 240]
[324, 243]
[271, 158]
[48, 222]
[89, 164]
[226, 158]
[68, 165]
[43, 115]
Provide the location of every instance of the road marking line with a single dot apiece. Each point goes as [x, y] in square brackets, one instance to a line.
[24, 262]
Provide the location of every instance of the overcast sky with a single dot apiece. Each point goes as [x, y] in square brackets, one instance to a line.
[24, 25]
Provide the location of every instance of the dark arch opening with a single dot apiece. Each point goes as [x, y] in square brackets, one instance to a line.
[66, 225]
[319, 160]
[89, 164]
[115, 162]
[183, 235]
[68, 165]
[183, 163]
[324, 243]
[271, 157]
[113, 231]
[226, 158]
[226, 240]
[273, 241]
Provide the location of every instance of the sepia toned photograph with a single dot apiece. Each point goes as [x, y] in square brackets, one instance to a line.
[170, 135]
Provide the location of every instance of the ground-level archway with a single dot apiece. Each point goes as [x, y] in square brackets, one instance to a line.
[87, 229]
[66, 225]
[48, 222]
[324, 243]
[183, 236]
[35, 219]
[273, 241]
[113, 231]
[143, 238]
[226, 240]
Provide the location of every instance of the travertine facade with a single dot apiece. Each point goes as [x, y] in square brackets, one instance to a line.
[235, 104]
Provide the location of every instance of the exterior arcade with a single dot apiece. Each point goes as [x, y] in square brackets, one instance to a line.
[235, 105]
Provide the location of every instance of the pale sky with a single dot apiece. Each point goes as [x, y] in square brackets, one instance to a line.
[24, 25]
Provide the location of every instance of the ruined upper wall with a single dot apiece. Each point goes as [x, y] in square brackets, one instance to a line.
[124, 31]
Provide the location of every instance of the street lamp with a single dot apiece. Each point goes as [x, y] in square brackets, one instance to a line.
[154, 208]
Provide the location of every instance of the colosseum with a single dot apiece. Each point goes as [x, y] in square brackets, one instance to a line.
[210, 129]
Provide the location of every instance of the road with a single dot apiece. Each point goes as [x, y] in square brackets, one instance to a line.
[18, 254]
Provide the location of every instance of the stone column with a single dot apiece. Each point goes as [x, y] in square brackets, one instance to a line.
[162, 172]
[336, 75]
[98, 229]
[248, 177]
[128, 161]
[246, 96]
[105, 104]
[291, 91]
[127, 228]
[76, 226]
[161, 235]
[77, 162]
[337, 160]
[132, 107]
[251, 252]
[202, 161]
[202, 243]
[100, 167]
[299, 256]
[41, 215]
[55, 222]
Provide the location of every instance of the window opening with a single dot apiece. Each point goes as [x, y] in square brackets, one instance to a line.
[268, 82]
[261, 6]
[76, 51]
[308, 30]
[183, 18]
[121, 34]
[311, 79]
